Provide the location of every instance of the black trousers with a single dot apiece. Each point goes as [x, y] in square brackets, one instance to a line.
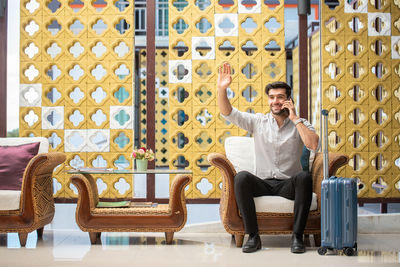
[297, 188]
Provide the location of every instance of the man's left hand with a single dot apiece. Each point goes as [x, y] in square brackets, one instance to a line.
[292, 110]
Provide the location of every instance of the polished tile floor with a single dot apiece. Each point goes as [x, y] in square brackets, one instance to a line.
[64, 244]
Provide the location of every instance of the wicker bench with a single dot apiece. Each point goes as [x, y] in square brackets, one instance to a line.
[168, 218]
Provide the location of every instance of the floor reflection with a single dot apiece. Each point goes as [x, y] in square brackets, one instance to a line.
[142, 240]
[73, 248]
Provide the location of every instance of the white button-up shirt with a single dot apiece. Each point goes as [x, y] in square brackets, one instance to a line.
[278, 150]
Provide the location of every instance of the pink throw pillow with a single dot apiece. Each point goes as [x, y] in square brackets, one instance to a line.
[13, 161]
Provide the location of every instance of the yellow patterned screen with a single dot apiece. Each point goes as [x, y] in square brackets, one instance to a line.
[76, 85]
[360, 89]
[204, 34]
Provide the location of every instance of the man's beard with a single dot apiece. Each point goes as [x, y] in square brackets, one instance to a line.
[280, 112]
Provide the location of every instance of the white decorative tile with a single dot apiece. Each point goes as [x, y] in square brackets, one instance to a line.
[226, 24]
[203, 42]
[30, 95]
[52, 118]
[361, 8]
[385, 24]
[98, 140]
[163, 92]
[395, 47]
[75, 140]
[180, 71]
[121, 117]
[249, 6]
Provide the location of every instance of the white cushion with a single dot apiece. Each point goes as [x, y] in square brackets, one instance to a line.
[16, 141]
[241, 153]
[9, 199]
[279, 204]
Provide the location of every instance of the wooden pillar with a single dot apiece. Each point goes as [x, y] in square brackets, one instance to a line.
[150, 91]
[303, 67]
[3, 69]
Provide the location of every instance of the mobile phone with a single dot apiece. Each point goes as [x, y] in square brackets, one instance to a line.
[286, 109]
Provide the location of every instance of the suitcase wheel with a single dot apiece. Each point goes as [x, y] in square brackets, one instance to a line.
[349, 251]
[322, 251]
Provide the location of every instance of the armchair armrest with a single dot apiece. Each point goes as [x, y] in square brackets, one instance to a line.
[37, 186]
[336, 160]
[88, 196]
[177, 192]
[228, 206]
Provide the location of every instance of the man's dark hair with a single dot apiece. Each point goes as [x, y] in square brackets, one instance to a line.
[279, 85]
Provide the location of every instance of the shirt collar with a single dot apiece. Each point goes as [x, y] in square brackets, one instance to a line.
[286, 121]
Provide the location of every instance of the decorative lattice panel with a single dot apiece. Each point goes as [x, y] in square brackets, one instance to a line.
[360, 88]
[77, 85]
[162, 104]
[204, 34]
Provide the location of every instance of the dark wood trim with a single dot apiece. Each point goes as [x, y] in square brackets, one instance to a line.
[303, 67]
[3, 74]
[203, 201]
[151, 91]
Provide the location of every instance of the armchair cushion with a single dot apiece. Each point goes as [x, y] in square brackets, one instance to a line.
[240, 152]
[9, 199]
[276, 204]
[13, 161]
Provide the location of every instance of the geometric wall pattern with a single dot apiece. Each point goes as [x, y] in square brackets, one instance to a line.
[203, 34]
[77, 85]
[361, 91]
[161, 105]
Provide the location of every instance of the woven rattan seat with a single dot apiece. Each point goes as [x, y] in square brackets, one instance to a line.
[168, 218]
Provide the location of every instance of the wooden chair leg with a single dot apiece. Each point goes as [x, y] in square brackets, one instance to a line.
[40, 232]
[239, 240]
[317, 240]
[22, 238]
[93, 237]
[169, 236]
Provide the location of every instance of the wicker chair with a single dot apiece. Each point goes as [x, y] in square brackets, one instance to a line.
[168, 218]
[270, 222]
[36, 203]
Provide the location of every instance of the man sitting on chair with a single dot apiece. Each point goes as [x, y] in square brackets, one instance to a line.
[279, 137]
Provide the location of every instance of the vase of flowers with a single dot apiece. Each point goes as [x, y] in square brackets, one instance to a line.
[142, 157]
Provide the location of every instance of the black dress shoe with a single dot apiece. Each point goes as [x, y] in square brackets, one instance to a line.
[297, 244]
[253, 244]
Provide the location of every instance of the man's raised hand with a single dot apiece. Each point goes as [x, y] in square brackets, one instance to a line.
[224, 76]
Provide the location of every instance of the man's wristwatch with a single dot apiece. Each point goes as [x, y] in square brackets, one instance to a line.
[297, 122]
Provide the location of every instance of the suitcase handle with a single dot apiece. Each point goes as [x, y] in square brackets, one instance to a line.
[324, 114]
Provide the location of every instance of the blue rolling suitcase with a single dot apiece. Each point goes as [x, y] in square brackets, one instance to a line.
[338, 209]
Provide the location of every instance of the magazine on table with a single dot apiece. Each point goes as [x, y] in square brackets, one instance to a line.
[125, 204]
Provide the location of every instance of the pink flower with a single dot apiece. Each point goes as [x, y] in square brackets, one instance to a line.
[143, 153]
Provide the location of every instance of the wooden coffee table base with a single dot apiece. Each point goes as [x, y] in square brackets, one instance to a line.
[168, 218]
